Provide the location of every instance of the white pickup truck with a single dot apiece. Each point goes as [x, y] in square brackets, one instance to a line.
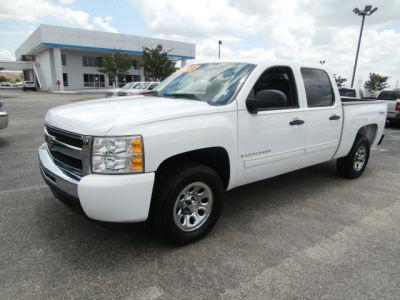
[169, 157]
[392, 98]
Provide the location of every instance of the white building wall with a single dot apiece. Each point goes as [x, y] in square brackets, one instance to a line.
[46, 41]
[58, 68]
[75, 69]
[43, 59]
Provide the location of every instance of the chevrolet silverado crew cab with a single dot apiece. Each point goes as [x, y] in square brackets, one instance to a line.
[169, 156]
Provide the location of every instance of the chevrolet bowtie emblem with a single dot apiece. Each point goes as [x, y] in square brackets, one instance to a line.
[50, 141]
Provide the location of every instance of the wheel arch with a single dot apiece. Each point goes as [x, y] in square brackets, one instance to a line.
[369, 131]
[216, 158]
[351, 134]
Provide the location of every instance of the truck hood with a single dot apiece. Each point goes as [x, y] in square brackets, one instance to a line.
[98, 117]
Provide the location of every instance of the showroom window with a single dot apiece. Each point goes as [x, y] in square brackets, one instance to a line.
[93, 80]
[65, 79]
[63, 59]
[91, 61]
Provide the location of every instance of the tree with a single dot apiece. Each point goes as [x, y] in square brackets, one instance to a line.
[115, 64]
[156, 64]
[339, 80]
[376, 82]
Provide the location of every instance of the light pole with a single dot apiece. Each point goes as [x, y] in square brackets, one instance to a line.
[368, 10]
[219, 49]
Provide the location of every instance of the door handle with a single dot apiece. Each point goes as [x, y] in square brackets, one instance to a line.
[334, 117]
[296, 122]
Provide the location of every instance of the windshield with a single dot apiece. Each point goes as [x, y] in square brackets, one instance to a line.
[142, 85]
[389, 95]
[128, 85]
[215, 83]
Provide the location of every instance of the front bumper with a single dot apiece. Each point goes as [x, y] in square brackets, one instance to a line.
[3, 119]
[110, 198]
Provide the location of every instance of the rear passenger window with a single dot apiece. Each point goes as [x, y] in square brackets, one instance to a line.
[318, 87]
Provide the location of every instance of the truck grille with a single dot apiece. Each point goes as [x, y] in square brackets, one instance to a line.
[65, 149]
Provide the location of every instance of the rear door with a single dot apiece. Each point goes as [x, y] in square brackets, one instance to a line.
[324, 117]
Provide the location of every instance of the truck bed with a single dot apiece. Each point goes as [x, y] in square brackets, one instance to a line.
[361, 112]
[361, 100]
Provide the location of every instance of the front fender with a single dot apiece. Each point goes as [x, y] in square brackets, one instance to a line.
[168, 138]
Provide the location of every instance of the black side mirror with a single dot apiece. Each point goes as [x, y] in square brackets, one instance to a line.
[266, 99]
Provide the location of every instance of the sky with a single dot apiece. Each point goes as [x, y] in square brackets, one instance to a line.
[302, 30]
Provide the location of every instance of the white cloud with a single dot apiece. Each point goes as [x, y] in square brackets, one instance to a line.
[293, 29]
[66, 2]
[36, 10]
[6, 55]
[104, 23]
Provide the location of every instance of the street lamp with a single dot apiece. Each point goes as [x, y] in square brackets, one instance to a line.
[368, 10]
[219, 49]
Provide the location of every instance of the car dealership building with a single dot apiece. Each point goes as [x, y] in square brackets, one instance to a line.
[61, 58]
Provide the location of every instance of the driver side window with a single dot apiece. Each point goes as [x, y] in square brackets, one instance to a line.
[280, 79]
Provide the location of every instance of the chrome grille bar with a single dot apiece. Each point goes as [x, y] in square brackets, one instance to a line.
[69, 151]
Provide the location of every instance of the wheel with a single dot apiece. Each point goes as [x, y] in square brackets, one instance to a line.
[187, 202]
[354, 164]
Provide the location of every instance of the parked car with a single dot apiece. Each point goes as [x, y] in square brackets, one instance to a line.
[5, 84]
[114, 92]
[141, 88]
[29, 85]
[392, 98]
[170, 156]
[350, 93]
[3, 116]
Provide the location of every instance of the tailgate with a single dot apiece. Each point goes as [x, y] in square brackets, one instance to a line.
[391, 104]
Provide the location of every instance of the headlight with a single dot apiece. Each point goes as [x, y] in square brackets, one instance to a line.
[118, 155]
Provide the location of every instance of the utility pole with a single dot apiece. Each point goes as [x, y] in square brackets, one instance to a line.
[366, 12]
[219, 49]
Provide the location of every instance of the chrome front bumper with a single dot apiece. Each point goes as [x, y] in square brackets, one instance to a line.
[54, 176]
[110, 198]
[3, 119]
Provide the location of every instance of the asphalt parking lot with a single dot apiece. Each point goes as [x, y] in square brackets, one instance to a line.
[307, 234]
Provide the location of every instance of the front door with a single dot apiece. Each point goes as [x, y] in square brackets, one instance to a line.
[271, 142]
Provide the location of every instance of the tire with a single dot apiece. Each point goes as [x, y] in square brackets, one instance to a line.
[173, 218]
[354, 164]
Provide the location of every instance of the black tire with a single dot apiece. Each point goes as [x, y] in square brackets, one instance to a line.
[168, 186]
[347, 165]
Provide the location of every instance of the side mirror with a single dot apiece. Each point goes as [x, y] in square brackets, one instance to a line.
[266, 99]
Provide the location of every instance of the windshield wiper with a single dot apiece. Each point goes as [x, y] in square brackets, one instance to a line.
[182, 95]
